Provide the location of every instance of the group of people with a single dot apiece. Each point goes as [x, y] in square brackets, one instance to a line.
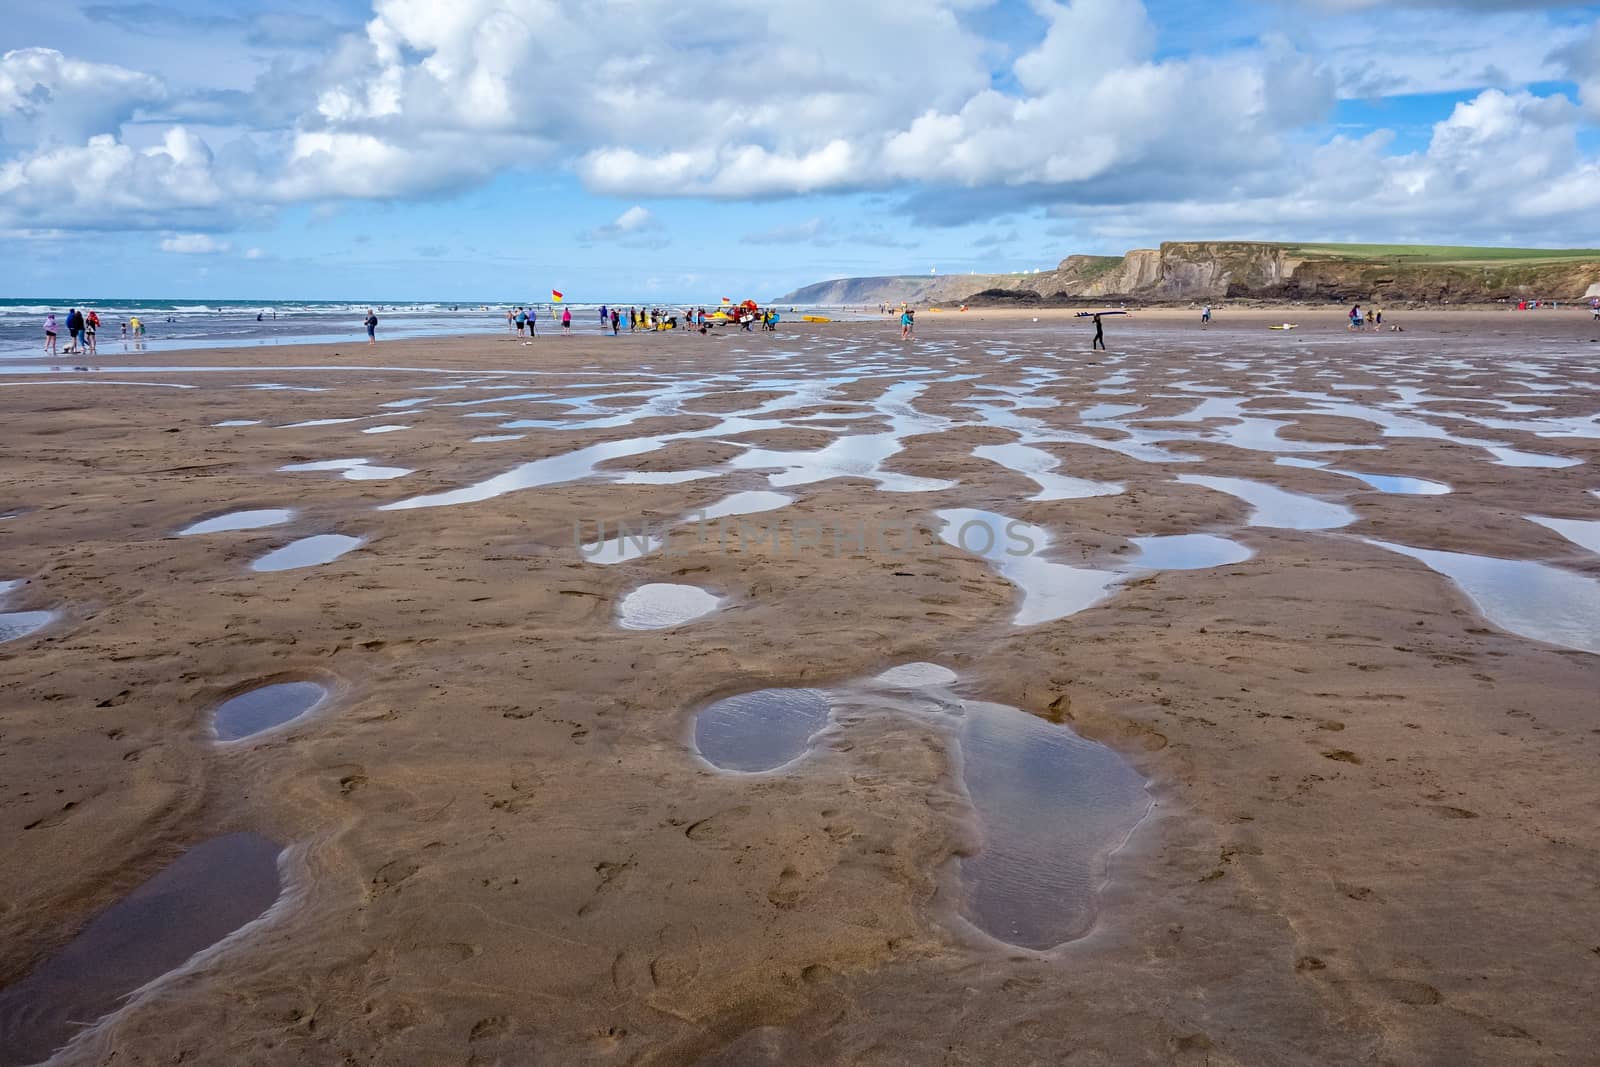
[1371, 321]
[82, 327]
[525, 320]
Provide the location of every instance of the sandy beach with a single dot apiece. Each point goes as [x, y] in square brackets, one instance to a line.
[1369, 831]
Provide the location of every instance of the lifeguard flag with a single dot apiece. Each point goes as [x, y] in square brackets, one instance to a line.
[555, 294]
[726, 301]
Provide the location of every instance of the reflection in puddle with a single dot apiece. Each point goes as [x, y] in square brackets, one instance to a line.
[1277, 507]
[1050, 591]
[1394, 483]
[238, 422]
[306, 552]
[239, 520]
[761, 730]
[261, 709]
[384, 429]
[1039, 466]
[1052, 808]
[1187, 552]
[749, 503]
[200, 898]
[1531, 599]
[356, 470]
[553, 470]
[492, 437]
[661, 604]
[620, 549]
[663, 477]
[1585, 533]
[15, 625]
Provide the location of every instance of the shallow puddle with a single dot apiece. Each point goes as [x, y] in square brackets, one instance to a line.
[748, 503]
[620, 549]
[761, 730]
[1276, 507]
[1532, 599]
[490, 438]
[1585, 533]
[1187, 552]
[238, 422]
[1394, 483]
[661, 604]
[385, 429]
[261, 709]
[1050, 591]
[239, 520]
[1039, 466]
[15, 625]
[306, 552]
[1052, 808]
[200, 898]
[356, 470]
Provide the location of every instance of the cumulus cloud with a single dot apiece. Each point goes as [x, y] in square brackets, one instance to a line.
[47, 98]
[194, 244]
[1095, 116]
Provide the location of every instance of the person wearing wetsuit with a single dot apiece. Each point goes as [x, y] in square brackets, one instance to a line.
[1099, 335]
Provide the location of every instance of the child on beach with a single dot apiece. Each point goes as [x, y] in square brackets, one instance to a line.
[50, 333]
[905, 325]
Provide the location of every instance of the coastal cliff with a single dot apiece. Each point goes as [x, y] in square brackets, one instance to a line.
[1217, 270]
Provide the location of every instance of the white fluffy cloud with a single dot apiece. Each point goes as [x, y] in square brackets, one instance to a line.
[195, 244]
[47, 98]
[718, 100]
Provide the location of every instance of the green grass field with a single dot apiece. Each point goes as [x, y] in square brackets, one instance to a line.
[1447, 255]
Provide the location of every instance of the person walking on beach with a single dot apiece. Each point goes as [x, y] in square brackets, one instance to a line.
[605, 316]
[905, 324]
[372, 327]
[616, 322]
[1205, 315]
[91, 326]
[74, 324]
[566, 321]
[1355, 316]
[50, 333]
[1099, 335]
[522, 321]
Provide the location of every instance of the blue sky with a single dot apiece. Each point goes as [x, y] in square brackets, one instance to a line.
[492, 149]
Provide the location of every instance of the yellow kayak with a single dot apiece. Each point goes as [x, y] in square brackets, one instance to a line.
[815, 318]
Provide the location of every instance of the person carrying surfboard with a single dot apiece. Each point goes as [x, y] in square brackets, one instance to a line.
[1099, 335]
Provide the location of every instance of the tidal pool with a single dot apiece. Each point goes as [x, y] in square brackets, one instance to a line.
[1050, 590]
[760, 730]
[1394, 483]
[306, 552]
[265, 707]
[1052, 808]
[1532, 599]
[355, 470]
[1585, 533]
[239, 520]
[1276, 507]
[1187, 552]
[659, 605]
[200, 898]
[15, 625]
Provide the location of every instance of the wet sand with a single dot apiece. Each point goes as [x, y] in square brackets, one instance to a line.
[1373, 835]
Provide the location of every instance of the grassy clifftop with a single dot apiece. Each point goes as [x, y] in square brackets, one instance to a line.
[1215, 270]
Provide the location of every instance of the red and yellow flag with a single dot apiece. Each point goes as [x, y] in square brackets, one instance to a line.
[555, 294]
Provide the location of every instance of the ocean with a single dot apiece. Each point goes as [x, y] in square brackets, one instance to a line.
[179, 324]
